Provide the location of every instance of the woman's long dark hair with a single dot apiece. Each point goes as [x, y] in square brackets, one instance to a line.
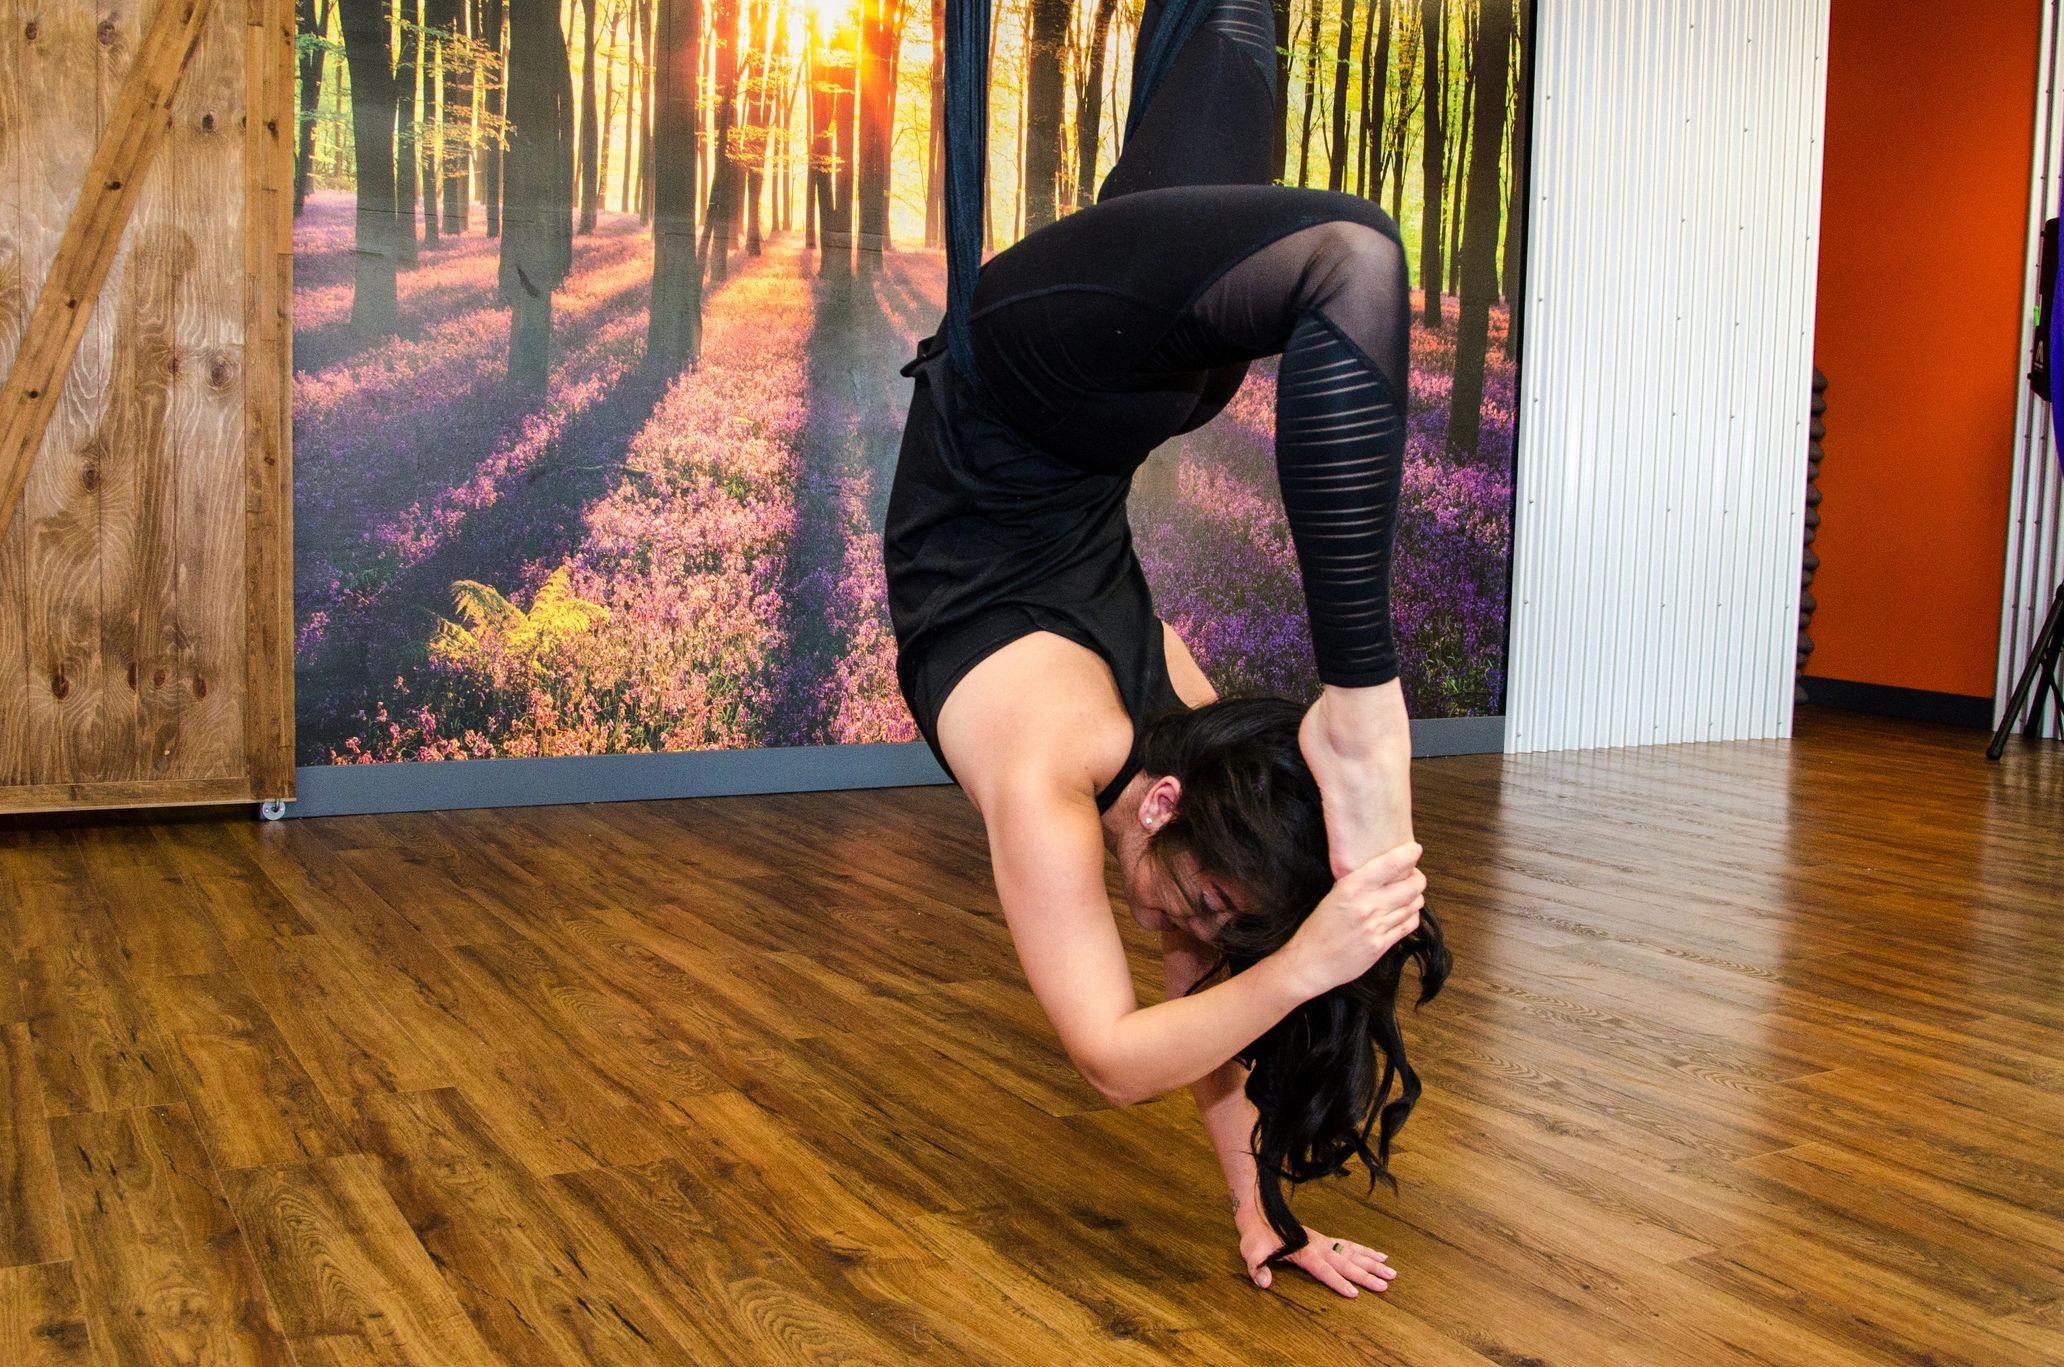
[1249, 814]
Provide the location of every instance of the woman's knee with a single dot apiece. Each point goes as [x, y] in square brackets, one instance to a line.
[1355, 277]
[1348, 256]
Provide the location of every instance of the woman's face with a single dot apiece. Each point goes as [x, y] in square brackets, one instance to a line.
[1188, 902]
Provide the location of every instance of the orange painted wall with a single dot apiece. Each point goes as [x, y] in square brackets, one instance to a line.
[1930, 131]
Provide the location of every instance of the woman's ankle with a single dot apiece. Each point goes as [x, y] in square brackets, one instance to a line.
[1362, 723]
[1360, 753]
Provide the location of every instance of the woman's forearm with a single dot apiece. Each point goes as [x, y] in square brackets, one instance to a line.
[1221, 1094]
[1159, 1048]
[1228, 1116]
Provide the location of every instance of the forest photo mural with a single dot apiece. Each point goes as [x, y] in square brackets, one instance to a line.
[598, 311]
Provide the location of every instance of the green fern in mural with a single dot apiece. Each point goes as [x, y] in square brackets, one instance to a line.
[494, 626]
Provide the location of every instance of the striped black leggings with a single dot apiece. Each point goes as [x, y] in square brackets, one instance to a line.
[1107, 332]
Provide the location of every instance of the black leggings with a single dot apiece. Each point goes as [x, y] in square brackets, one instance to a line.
[1101, 335]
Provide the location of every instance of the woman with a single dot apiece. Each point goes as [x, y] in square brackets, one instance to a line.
[1031, 656]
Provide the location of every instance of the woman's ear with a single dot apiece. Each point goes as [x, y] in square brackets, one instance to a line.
[1160, 801]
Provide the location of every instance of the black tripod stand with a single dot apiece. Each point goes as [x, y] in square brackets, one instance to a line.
[2041, 675]
[2041, 672]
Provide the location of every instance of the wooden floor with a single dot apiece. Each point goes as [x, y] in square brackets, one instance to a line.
[1752, 1054]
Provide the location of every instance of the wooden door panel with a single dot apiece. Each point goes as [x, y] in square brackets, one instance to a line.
[17, 265]
[144, 601]
[60, 69]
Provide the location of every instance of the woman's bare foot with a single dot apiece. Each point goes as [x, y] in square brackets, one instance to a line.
[1358, 742]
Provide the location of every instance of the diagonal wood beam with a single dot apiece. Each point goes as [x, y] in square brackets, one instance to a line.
[136, 127]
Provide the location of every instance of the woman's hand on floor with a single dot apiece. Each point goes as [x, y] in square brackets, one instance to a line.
[1342, 1264]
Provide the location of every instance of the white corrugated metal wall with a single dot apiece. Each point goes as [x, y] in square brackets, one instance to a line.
[1666, 383]
[2035, 526]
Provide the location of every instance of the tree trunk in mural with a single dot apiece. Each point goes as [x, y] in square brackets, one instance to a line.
[647, 166]
[774, 145]
[1343, 55]
[1024, 125]
[881, 33]
[1407, 104]
[1044, 89]
[436, 156]
[590, 129]
[1311, 89]
[313, 24]
[491, 155]
[375, 309]
[631, 93]
[537, 188]
[1432, 270]
[935, 154]
[458, 125]
[835, 236]
[704, 115]
[768, 62]
[1516, 215]
[792, 73]
[609, 94]
[988, 197]
[430, 101]
[1485, 206]
[1281, 149]
[1460, 163]
[673, 338]
[1089, 117]
[408, 155]
[718, 227]
[817, 172]
[1375, 56]
[752, 141]
[1376, 100]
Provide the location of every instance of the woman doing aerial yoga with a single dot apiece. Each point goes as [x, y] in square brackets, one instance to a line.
[1257, 836]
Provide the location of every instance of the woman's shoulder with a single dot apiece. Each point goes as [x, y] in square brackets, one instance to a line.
[1041, 713]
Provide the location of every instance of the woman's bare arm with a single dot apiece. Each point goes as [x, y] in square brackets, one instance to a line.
[1046, 848]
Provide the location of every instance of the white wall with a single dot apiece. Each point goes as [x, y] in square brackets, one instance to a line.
[1667, 370]
[2035, 513]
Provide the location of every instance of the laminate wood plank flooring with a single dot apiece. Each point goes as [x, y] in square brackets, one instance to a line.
[1752, 1054]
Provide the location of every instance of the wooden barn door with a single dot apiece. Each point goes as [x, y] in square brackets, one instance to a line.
[145, 271]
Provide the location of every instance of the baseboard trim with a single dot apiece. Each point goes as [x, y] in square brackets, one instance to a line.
[363, 789]
[1909, 704]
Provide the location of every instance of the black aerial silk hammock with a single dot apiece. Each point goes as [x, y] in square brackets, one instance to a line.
[967, 140]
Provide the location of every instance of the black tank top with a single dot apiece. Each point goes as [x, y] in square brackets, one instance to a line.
[988, 539]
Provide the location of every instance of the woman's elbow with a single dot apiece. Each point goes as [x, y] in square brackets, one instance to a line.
[1104, 1086]
[1112, 1085]
[1118, 1096]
